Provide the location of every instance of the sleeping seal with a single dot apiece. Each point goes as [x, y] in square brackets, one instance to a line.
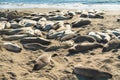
[91, 72]
[113, 44]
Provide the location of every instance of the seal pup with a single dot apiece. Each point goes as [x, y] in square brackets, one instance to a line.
[34, 46]
[113, 44]
[85, 46]
[11, 47]
[90, 72]
[42, 61]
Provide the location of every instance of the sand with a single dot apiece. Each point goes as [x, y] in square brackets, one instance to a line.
[18, 66]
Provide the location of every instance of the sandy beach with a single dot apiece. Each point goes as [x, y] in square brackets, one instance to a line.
[19, 65]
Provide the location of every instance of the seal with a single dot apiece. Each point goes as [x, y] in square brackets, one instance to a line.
[35, 40]
[81, 22]
[84, 38]
[85, 46]
[42, 61]
[11, 47]
[113, 44]
[34, 46]
[90, 72]
[14, 37]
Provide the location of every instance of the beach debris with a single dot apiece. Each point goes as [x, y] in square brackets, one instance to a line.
[12, 47]
[42, 61]
[81, 22]
[91, 72]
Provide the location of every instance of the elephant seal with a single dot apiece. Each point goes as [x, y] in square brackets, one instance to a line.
[34, 46]
[91, 72]
[85, 46]
[12, 47]
[84, 38]
[113, 44]
[35, 40]
[81, 22]
[68, 37]
[42, 61]
[14, 37]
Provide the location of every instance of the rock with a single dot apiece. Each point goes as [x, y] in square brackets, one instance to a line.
[91, 72]
[12, 47]
[14, 37]
[42, 61]
[27, 22]
[81, 22]
[113, 44]
[35, 40]
[34, 46]
[84, 38]
[96, 36]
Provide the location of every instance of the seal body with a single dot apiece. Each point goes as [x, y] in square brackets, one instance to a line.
[113, 44]
[42, 61]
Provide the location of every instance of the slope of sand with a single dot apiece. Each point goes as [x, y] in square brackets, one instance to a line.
[18, 66]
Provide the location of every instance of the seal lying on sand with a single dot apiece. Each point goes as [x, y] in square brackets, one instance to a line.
[35, 40]
[34, 46]
[10, 31]
[113, 44]
[11, 47]
[84, 38]
[90, 72]
[42, 61]
[81, 22]
[14, 37]
[85, 46]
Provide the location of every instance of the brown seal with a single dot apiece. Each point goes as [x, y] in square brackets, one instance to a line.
[113, 44]
[42, 61]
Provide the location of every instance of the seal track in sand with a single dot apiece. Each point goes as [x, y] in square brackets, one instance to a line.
[50, 76]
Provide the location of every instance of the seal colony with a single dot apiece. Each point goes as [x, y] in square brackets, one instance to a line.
[55, 38]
